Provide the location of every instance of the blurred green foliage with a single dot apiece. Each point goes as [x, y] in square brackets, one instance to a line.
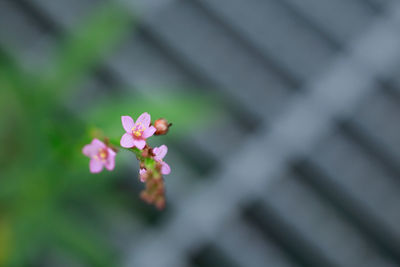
[49, 202]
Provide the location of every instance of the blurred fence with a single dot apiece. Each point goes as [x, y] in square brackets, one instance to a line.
[302, 168]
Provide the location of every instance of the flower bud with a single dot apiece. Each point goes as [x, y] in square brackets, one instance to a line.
[161, 126]
[146, 152]
[160, 203]
[142, 165]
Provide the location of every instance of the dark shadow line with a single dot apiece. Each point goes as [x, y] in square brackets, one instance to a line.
[267, 61]
[294, 244]
[330, 40]
[370, 146]
[355, 212]
[244, 117]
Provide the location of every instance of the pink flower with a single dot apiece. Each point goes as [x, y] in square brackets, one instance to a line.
[143, 175]
[160, 153]
[100, 155]
[136, 133]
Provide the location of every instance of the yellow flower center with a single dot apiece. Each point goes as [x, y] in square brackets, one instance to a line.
[138, 130]
[102, 155]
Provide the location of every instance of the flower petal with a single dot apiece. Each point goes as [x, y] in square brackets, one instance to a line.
[98, 144]
[127, 141]
[110, 162]
[165, 169]
[144, 119]
[148, 132]
[139, 143]
[87, 150]
[160, 152]
[111, 152]
[95, 166]
[93, 148]
[127, 123]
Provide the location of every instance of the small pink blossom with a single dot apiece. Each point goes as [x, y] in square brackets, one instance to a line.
[159, 154]
[136, 133]
[143, 175]
[100, 155]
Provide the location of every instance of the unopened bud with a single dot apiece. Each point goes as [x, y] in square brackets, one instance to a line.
[142, 165]
[145, 196]
[145, 152]
[160, 203]
[161, 126]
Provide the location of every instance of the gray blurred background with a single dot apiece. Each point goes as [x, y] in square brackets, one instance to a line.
[301, 166]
